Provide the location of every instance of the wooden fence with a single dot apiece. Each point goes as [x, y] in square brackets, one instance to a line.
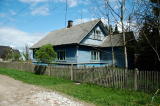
[108, 77]
[119, 78]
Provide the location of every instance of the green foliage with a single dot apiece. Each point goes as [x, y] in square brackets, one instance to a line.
[11, 54]
[16, 56]
[91, 93]
[46, 54]
[7, 55]
[149, 37]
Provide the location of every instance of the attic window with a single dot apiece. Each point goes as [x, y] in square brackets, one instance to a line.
[97, 35]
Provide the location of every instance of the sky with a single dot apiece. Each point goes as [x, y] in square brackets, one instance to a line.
[25, 22]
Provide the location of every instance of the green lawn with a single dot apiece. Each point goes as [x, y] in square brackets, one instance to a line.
[91, 93]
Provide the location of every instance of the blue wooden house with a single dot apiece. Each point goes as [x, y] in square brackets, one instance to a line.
[86, 44]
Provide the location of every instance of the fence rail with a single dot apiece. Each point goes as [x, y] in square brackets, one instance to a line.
[108, 77]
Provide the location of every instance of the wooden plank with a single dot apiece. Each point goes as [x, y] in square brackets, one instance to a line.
[116, 85]
[146, 84]
[135, 79]
[157, 82]
[71, 69]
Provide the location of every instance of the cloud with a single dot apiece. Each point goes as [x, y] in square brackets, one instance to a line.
[83, 20]
[86, 2]
[2, 15]
[116, 6]
[82, 11]
[17, 38]
[42, 10]
[12, 12]
[133, 26]
[73, 3]
[37, 8]
[32, 1]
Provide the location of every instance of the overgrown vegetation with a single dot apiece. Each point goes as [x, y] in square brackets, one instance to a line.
[148, 24]
[10, 54]
[46, 54]
[87, 92]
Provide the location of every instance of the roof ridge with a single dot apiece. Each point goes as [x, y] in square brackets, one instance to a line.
[77, 25]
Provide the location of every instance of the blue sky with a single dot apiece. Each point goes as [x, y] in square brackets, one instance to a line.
[26, 21]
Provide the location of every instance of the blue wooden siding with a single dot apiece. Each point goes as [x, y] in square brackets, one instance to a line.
[70, 52]
[81, 55]
[106, 55]
[119, 57]
[84, 57]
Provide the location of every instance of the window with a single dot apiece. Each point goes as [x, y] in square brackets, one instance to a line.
[95, 55]
[97, 34]
[61, 55]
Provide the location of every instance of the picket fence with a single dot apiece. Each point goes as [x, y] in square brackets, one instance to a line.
[147, 81]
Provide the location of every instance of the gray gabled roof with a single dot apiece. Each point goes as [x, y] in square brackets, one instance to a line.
[72, 35]
[77, 33]
[117, 39]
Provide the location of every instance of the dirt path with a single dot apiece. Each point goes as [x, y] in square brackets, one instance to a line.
[16, 93]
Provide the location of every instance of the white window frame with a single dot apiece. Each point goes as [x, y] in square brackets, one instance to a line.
[97, 36]
[95, 55]
[58, 55]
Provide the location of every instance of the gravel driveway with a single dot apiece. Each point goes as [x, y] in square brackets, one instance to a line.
[17, 93]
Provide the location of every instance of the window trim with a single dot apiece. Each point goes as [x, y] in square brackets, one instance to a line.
[64, 54]
[97, 36]
[97, 55]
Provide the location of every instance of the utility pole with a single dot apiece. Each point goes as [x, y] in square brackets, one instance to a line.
[110, 34]
[66, 9]
[123, 32]
[81, 16]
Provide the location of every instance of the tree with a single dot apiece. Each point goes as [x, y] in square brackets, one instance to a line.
[148, 37]
[7, 54]
[11, 54]
[16, 55]
[46, 54]
[156, 9]
[116, 30]
[116, 16]
[26, 53]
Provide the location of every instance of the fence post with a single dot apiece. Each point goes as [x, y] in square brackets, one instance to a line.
[49, 66]
[135, 79]
[71, 68]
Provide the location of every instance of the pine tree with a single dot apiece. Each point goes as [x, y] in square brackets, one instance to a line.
[116, 30]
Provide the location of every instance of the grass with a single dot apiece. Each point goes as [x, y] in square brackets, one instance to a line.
[91, 93]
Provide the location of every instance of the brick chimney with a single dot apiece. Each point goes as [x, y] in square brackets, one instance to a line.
[70, 23]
